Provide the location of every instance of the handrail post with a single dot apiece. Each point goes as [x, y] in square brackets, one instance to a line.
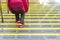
[1, 13]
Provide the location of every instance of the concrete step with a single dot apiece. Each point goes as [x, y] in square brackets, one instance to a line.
[37, 16]
[29, 30]
[36, 12]
[31, 21]
[31, 25]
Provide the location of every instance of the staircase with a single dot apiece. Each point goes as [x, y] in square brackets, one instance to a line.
[40, 24]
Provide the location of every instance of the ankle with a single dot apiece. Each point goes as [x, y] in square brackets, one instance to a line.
[17, 21]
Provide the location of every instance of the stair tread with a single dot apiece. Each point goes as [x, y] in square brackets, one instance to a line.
[29, 28]
[31, 34]
[30, 14]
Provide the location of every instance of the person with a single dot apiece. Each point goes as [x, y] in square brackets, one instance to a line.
[19, 7]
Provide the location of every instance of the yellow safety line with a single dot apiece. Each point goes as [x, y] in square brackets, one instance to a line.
[32, 20]
[31, 14]
[58, 21]
[31, 28]
[32, 34]
[31, 17]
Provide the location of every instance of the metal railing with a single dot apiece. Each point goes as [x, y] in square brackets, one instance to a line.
[1, 13]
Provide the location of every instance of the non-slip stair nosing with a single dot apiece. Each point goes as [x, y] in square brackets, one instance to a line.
[30, 34]
[29, 28]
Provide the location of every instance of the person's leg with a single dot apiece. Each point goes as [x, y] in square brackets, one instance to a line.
[17, 16]
[21, 24]
[22, 17]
